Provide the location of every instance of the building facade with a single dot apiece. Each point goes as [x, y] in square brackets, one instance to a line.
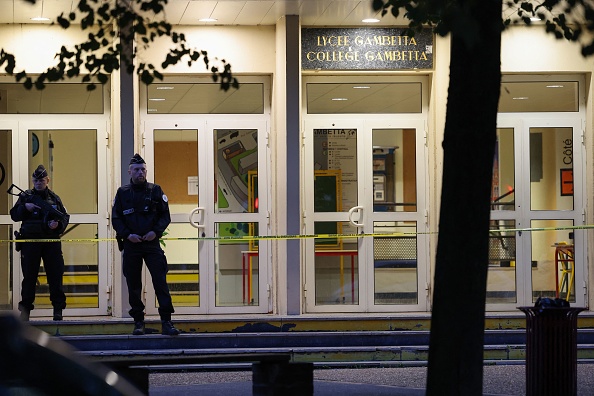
[312, 189]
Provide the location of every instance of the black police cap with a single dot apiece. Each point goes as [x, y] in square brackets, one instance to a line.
[40, 172]
[137, 159]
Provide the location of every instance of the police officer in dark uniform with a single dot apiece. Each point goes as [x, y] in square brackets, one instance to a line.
[38, 222]
[140, 215]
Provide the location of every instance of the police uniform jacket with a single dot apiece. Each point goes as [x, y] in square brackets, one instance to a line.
[35, 224]
[140, 208]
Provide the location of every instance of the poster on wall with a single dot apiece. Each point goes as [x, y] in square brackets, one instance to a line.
[336, 150]
[566, 182]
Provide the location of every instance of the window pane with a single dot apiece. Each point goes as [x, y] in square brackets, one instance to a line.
[395, 263]
[551, 168]
[176, 167]
[365, 98]
[394, 170]
[53, 99]
[183, 263]
[204, 99]
[236, 265]
[503, 186]
[68, 155]
[6, 171]
[335, 169]
[6, 259]
[81, 277]
[236, 170]
[501, 278]
[336, 267]
[539, 96]
[553, 267]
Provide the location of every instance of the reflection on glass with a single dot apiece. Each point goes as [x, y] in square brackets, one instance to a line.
[551, 169]
[176, 167]
[553, 267]
[369, 98]
[335, 169]
[6, 260]
[395, 265]
[336, 268]
[81, 277]
[503, 184]
[394, 170]
[55, 98]
[237, 261]
[204, 98]
[5, 170]
[501, 278]
[70, 156]
[236, 170]
[183, 263]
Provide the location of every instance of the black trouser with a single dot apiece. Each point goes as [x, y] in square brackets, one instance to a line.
[155, 261]
[31, 255]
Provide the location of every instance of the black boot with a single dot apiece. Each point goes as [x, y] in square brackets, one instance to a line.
[138, 327]
[57, 313]
[167, 328]
[25, 313]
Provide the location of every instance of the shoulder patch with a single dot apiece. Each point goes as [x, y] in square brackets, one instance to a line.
[165, 198]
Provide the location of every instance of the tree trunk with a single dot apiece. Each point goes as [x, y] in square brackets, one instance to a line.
[460, 283]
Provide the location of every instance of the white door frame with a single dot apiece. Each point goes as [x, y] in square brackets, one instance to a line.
[22, 178]
[206, 125]
[522, 213]
[365, 200]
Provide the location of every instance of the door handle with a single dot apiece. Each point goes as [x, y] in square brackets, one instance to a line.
[191, 218]
[358, 209]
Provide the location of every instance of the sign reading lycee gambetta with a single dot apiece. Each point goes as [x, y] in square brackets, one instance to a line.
[365, 49]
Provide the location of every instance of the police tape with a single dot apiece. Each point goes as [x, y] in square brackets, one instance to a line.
[307, 236]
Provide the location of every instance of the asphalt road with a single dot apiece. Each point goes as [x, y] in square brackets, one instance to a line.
[506, 379]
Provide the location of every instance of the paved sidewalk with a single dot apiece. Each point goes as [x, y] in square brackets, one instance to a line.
[508, 379]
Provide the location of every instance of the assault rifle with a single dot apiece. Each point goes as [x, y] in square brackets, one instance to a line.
[49, 212]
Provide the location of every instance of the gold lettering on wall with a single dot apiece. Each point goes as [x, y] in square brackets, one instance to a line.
[354, 48]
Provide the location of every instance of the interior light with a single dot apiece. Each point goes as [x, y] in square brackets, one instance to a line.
[339, 99]
[165, 87]
[152, 110]
[521, 98]
[370, 20]
[207, 20]
[157, 99]
[40, 18]
[535, 19]
[361, 87]
[554, 86]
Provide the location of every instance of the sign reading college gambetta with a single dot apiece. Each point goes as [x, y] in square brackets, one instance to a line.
[365, 49]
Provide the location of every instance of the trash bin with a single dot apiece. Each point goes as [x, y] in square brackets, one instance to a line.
[551, 348]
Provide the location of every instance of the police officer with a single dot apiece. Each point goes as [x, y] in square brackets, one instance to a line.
[38, 222]
[140, 215]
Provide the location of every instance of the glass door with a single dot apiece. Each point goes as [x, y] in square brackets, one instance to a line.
[365, 201]
[75, 154]
[8, 146]
[538, 199]
[214, 172]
